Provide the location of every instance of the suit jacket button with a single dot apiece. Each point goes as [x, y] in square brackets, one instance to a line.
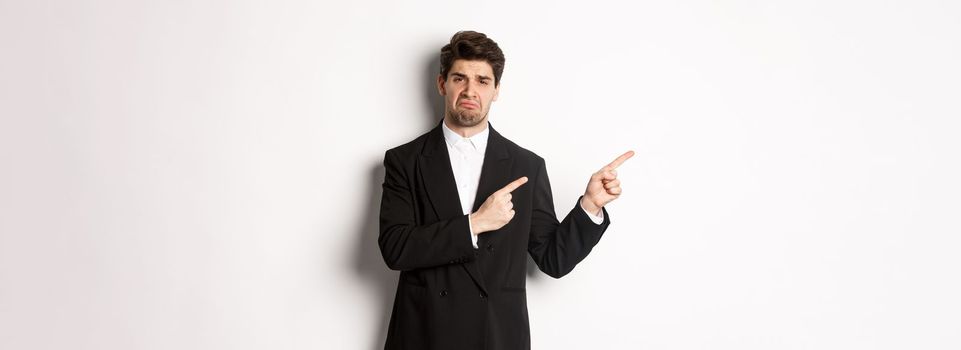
[451, 262]
[443, 293]
[490, 248]
[482, 296]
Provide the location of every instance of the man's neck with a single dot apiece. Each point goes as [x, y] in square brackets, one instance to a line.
[466, 131]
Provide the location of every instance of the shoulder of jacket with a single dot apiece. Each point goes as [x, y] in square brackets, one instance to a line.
[522, 152]
[412, 147]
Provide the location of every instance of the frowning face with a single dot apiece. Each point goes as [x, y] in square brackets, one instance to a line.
[468, 91]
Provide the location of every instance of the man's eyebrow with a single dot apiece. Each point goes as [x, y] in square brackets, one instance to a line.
[462, 75]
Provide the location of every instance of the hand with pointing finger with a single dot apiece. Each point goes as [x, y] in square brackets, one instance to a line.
[604, 186]
[497, 210]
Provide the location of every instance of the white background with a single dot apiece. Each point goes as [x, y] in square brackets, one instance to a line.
[206, 174]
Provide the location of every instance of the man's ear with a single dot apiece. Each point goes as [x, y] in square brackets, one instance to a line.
[497, 91]
[440, 85]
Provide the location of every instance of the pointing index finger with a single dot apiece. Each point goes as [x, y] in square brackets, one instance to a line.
[514, 185]
[620, 160]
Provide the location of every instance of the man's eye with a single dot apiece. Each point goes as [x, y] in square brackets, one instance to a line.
[484, 82]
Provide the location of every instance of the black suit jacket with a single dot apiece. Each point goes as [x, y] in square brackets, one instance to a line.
[451, 296]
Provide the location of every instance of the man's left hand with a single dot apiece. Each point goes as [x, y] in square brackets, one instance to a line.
[604, 186]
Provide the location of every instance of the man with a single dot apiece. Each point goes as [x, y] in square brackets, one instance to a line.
[463, 206]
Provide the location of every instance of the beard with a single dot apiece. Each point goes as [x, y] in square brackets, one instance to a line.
[466, 118]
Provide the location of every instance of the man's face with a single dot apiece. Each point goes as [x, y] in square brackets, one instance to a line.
[468, 91]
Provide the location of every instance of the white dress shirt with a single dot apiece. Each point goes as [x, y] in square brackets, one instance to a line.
[466, 160]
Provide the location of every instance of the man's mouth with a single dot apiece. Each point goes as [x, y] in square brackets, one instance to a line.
[469, 104]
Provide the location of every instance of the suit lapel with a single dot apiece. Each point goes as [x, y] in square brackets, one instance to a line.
[496, 170]
[439, 177]
[441, 187]
[495, 174]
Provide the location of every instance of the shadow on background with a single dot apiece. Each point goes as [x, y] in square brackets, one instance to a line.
[370, 265]
[368, 260]
[432, 98]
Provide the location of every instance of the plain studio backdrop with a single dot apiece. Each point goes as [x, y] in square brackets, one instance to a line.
[206, 174]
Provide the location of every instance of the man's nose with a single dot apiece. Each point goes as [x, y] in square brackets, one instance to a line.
[469, 90]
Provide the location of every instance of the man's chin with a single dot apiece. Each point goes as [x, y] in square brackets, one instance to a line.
[467, 120]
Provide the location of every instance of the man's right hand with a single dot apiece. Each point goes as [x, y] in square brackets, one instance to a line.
[497, 210]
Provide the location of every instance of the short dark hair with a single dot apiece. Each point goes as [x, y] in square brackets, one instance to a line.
[471, 45]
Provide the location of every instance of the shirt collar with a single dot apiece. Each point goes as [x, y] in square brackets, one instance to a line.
[479, 140]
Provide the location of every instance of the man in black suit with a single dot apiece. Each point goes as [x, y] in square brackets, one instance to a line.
[463, 206]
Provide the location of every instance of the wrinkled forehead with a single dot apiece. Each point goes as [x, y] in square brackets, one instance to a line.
[472, 69]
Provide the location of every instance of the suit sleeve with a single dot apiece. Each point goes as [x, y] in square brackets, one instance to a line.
[556, 247]
[408, 246]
